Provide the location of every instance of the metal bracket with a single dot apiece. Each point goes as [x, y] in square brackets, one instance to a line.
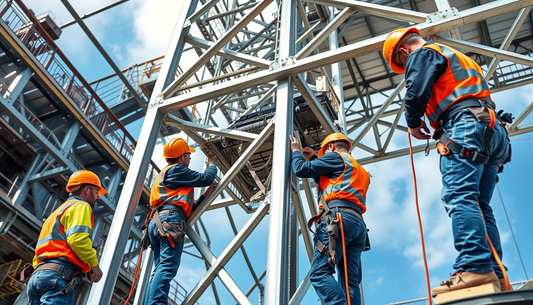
[280, 63]
[157, 101]
[441, 15]
[187, 24]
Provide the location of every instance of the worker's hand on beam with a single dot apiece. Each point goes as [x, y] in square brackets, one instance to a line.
[95, 274]
[210, 188]
[421, 132]
[308, 153]
[212, 160]
[295, 145]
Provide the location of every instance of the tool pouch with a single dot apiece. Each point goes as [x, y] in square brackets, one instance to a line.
[26, 273]
[175, 230]
[480, 113]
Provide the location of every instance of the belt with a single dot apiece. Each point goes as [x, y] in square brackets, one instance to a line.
[65, 272]
[449, 113]
[353, 212]
[169, 208]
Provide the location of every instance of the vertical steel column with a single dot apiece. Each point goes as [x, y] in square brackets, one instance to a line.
[113, 252]
[277, 289]
[336, 73]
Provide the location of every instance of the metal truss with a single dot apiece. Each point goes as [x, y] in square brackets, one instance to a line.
[252, 83]
[256, 60]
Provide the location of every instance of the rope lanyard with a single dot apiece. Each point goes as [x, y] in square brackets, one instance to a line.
[345, 261]
[419, 219]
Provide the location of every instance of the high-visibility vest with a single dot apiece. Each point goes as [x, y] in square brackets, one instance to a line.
[160, 194]
[352, 185]
[52, 241]
[463, 79]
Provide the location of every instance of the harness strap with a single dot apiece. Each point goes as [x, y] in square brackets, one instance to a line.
[161, 230]
[447, 144]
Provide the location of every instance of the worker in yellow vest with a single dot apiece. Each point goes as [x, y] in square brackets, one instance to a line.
[172, 202]
[449, 88]
[64, 252]
[341, 235]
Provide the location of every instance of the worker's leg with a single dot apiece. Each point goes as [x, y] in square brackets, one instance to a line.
[499, 151]
[355, 235]
[166, 266]
[321, 275]
[44, 288]
[460, 179]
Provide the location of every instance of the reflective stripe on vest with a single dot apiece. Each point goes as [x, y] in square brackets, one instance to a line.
[160, 194]
[462, 79]
[352, 185]
[52, 241]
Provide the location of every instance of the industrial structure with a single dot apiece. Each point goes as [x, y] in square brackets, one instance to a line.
[265, 69]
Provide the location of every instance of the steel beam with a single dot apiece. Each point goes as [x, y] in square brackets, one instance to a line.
[276, 288]
[208, 54]
[173, 120]
[223, 275]
[375, 9]
[113, 252]
[229, 54]
[524, 13]
[336, 74]
[485, 50]
[227, 254]
[106, 56]
[231, 173]
[301, 291]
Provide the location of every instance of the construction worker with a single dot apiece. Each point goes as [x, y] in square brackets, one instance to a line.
[342, 184]
[172, 201]
[64, 252]
[450, 89]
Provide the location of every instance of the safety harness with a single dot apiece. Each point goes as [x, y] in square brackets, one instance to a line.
[483, 113]
[333, 221]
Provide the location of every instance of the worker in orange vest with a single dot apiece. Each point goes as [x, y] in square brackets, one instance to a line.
[450, 89]
[172, 201]
[64, 252]
[342, 184]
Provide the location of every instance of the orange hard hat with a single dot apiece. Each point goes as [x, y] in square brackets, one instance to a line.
[176, 147]
[334, 137]
[391, 43]
[84, 177]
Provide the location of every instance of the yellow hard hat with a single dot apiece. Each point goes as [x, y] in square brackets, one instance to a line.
[176, 147]
[391, 43]
[334, 137]
[84, 177]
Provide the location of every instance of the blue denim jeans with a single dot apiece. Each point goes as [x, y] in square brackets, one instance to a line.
[328, 289]
[465, 184]
[44, 288]
[166, 261]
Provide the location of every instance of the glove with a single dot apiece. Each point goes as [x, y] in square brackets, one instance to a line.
[506, 117]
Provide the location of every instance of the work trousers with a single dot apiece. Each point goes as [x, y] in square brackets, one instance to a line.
[333, 291]
[465, 184]
[44, 288]
[166, 261]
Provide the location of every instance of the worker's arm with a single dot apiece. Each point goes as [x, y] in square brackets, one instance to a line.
[423, 68]
[328, 164]
[180, 175]
[77, 222]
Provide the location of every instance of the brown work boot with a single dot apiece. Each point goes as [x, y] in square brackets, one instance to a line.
[502, 285]
[465, 279]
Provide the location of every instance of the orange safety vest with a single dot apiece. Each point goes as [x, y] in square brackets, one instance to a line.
[463, 79]
[160, 194]
[352, 185]
[52, 241]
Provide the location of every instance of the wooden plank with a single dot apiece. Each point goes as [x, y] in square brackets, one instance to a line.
[466, 293]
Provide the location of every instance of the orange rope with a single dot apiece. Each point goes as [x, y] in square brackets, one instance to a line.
[419, 219]
[345, 262]
[496, 256]
[135, 277]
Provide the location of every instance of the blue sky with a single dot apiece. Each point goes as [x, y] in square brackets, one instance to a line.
[393, 270]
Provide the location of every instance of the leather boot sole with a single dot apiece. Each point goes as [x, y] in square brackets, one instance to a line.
[466, 280]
